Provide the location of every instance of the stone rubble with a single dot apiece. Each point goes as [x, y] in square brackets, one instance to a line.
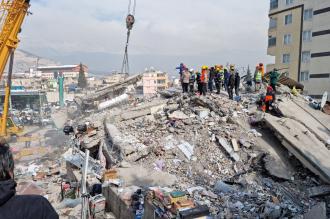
[195, 139]
[202, 145]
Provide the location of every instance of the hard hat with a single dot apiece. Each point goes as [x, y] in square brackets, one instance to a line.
[191, 70]
[205, 67]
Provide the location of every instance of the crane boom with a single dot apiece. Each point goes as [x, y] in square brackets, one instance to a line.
[11, 19]
[12, 14]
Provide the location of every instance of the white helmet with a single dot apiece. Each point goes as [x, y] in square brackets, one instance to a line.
[191, 70]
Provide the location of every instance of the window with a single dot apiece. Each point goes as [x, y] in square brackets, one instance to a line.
[306, 56]
[319, 76]
[307, 36]
[271, 41]
[286, 59]
[273, 4]
[287, 39]
[288, 19]
[272, 23]
[304, 76]
[288, 2]
[308, 14]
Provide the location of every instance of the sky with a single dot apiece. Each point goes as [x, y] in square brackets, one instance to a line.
[166, 32]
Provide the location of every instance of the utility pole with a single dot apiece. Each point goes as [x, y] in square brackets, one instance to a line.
[61, 88]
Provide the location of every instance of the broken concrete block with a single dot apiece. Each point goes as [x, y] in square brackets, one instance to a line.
[135, 114]
[139, 176]
[318, 191]
[187, 149]
[235, 145]
[170, 142]
[178, 115]
[319, 211]
[221, 187]
[78, 158]
[202, 112]
[171, 108]
[244, 142]
[277, 168]
[223, 142]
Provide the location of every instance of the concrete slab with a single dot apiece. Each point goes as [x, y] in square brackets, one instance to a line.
[277, 161]
[303, 144]
[319, 211]
[316, 121]
[139, 176]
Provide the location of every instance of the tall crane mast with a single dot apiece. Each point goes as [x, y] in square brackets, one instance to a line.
[12, 14]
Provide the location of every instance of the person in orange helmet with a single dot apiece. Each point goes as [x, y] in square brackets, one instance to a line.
[204, 79]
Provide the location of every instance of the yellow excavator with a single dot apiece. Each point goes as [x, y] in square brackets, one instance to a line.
[12, 14]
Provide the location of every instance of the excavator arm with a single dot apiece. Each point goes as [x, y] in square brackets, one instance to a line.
[12, 14]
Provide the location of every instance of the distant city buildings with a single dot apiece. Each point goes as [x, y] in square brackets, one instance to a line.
[299, 39]
[68, 71]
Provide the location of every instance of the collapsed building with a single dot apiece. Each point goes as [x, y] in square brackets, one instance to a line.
[185, 156]
[219, 157]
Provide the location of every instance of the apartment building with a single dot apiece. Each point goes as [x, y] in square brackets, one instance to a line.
[154, 81]
[69, 71]
[299, 39]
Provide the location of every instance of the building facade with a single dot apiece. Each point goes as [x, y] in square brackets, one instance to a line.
[154, 81]
[299, 39]
[69, 71]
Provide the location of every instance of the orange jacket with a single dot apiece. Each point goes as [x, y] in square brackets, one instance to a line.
[204, 76]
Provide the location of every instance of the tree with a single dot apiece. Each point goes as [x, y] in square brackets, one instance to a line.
[82, 82]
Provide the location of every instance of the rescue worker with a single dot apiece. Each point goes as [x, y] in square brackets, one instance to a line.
[274, 76]
[181, 68]
[192, 80]
[199, 83]
[204, 79]
[211, 78]
[217, 79]
[237, 82]
[269, 99]
[227, 75]
[231, 83]
[248, 80]
[14, 206]
[261, 66]
[185, 80]
[258, 78]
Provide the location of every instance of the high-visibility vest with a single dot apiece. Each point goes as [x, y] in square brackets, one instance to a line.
[222, 75]
[269, 98]
[259, 76]
[204, 77]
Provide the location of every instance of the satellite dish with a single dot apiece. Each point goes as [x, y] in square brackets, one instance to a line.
[324, 99]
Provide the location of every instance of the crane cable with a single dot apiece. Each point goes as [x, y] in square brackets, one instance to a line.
[130, 20]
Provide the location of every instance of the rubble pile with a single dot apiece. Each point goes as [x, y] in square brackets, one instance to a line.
[201, 142]
[185, 154]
